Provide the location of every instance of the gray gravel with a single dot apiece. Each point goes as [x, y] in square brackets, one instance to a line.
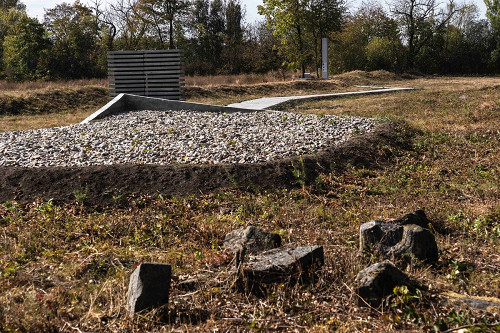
[171, 137]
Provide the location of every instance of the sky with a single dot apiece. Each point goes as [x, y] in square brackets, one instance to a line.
[36, 7]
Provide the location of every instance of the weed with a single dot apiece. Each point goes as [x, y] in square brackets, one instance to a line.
[299, 172]
[80, 195]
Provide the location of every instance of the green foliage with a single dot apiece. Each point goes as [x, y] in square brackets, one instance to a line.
[369, 40]
[80, 195]
[296, 23]
[299, 173]
[381, 53]
[12, 4]
[76, 50]
[26, 50]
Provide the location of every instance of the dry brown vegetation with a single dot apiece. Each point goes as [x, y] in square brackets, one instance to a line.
[67, 267]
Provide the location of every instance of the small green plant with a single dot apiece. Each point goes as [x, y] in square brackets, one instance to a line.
[299, 173]
[80, 195]
[11, 205]
[198, 255]
[405, 300]
[46, 207]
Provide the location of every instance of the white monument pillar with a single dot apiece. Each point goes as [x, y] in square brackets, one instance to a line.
[324, 56]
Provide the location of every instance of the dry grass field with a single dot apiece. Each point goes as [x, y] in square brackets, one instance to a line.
[66, 267]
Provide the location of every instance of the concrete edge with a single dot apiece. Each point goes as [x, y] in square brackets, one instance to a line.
[129, 102]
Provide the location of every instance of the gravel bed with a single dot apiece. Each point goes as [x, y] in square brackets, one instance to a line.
[172, 137]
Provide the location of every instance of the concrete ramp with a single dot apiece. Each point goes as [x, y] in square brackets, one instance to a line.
[268, 102]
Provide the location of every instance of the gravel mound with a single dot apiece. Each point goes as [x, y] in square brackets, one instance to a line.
[173, 137]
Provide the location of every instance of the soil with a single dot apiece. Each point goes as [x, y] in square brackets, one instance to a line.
[115, 184]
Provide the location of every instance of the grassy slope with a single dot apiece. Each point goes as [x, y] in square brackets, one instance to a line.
[69, 266]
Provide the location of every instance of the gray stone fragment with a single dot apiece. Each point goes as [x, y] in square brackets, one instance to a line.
[149, 287]
[252, 239]
[417, 217]
[416, 242]
[400, 240]
[377, 235]
[489, 304]
[282, 263]
[377, 281]
[188, 285]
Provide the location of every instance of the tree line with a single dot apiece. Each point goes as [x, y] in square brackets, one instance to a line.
[72, 40]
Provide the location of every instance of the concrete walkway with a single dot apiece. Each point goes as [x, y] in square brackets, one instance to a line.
[267, 102]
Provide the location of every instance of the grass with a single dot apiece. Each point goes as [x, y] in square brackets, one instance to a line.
[216, 80]
[67, 267]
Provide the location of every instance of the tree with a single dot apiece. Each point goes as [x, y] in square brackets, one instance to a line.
[159, 13]
[105, 24]
[132, 29]
[76, 49]
[493, 14]
[8, 19]
[420, 20]
[233, 36]
[207, 31]
[9, 4]
[369, 40]
[324, 17]
[297, 23]
[287, 19]
[26, 49]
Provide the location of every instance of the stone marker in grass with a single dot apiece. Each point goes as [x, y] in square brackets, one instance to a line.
[149, 287]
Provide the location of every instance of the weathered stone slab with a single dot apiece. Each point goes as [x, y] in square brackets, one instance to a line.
[149, 287]
[282, 263]
[252, 240]
[377, 281]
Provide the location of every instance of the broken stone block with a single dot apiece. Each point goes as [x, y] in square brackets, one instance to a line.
[416, 242]
[400, 240]
[377, 235]
[282, 263]
[418, 217]
[252, 240]
[377, 281]
[149, 287]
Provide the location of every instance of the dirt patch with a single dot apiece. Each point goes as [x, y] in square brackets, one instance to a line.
[108, 185]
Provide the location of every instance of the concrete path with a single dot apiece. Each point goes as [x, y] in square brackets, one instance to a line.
[267, 102]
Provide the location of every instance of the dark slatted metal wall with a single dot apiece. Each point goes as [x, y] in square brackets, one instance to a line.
[154, 73]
